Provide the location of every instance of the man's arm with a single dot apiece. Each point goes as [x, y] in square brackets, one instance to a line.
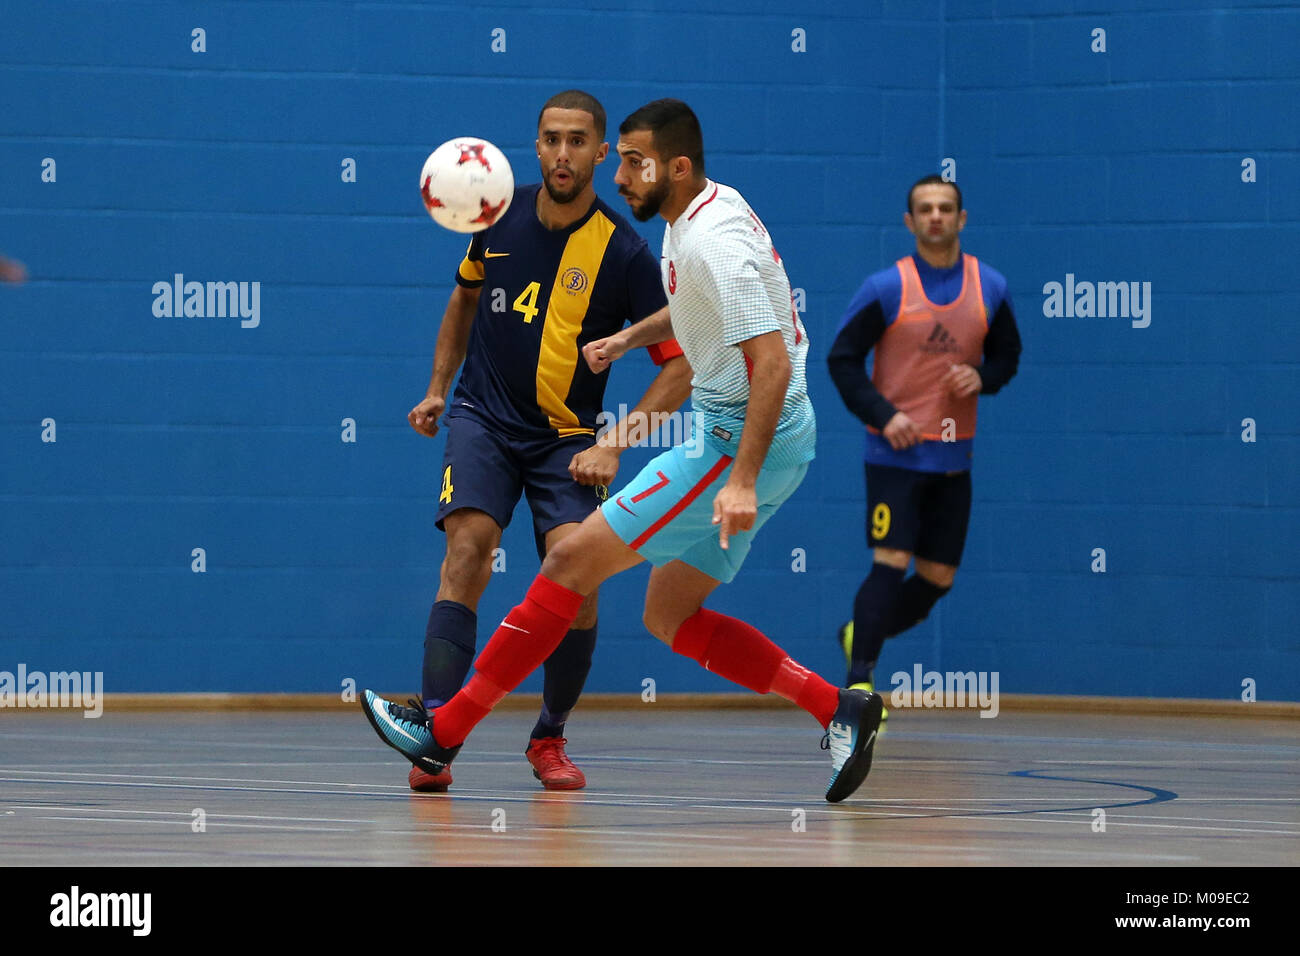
[847, 361]
[448, 354]
[736, 505]
[654, 328]
[671, 387]
[1001, 350]
[1001, 359]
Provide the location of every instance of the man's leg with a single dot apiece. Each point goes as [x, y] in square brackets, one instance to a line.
[451, 634]
[872, 606]
[944, 518]
[559, 505]
[726, 645]
[566, 673]
[573, 569]
[887, 604]
[893, 519]
[734, 649]
[918, 595]
[479, 489]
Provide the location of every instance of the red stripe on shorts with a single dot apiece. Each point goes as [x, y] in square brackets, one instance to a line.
[681, 506]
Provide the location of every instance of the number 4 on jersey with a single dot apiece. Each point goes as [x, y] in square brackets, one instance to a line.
[527, 301]
[447, 489]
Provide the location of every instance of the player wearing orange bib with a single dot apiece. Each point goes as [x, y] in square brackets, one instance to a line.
[944, 333]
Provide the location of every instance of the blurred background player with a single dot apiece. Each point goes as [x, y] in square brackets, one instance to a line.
[691, 516]
[562, 268]
[944, 333]
[11, 270]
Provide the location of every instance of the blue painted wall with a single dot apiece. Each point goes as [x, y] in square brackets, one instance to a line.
[322, 557]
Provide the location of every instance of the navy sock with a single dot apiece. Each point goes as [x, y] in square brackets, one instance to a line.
[915, 599]
[566, 672]
[449, 641]
[871, 610]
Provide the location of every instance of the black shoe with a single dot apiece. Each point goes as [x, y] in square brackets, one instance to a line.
[851, 738]
[409, 731]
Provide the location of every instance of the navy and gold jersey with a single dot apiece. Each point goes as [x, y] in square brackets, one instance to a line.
[546, 294]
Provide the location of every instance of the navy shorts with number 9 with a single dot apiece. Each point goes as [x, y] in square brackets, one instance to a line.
[924, 513]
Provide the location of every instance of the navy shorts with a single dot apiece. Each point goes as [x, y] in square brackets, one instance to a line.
[484, 469]
[924, 513]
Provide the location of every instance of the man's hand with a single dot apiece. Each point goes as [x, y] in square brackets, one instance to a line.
[962, 381]
[601, 353]
[424, 417]
[902, 432]
[596, 466]
[734, 508]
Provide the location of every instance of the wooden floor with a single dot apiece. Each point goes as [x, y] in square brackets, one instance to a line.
[668, 787]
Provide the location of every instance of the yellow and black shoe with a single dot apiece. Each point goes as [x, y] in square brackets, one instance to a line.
[846, 643]
[866, 686]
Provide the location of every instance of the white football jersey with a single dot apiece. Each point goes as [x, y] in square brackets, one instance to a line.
[725, 284]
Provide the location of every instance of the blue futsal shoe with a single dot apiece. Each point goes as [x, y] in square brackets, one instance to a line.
[851, 738]
[409, 731]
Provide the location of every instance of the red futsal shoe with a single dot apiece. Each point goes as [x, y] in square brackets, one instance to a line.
[425, 782]
[552, 766]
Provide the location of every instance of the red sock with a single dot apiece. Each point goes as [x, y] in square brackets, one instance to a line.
[733, 649]
[528, 635]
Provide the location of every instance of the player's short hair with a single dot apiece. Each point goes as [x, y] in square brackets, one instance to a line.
[674, 130]
[576, 100]
[933, 180]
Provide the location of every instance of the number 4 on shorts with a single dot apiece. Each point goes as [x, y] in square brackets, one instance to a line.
[446, 485]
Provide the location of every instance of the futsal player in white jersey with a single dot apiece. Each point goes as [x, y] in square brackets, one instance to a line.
[691, 516]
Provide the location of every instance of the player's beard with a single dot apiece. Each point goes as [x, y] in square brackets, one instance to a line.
[653, 201]
[577, 183]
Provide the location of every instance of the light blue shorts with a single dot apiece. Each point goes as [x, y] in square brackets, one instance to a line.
[665, 513]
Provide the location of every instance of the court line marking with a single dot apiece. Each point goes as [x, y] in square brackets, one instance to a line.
[578, 796]
[867, 812]
[875, 808]
[189, 814]
[246, 826]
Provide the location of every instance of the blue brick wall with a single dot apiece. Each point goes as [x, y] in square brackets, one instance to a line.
[322, 558]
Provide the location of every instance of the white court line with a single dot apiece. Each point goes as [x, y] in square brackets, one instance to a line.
[1037, 816]
[875, 806]
[187, 748]
[1174, 826]
[1157, 761]
[189, 814]
[1040, 816]
[1280, 823]
[246, 826]
[519, 796]
[473, 793]
[265, 826]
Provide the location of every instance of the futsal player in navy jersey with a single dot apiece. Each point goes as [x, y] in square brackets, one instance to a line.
[558, 270]
[944, 333]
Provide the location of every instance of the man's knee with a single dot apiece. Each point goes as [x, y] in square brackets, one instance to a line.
[940, 575]
[660, 621]
[561, 557]
[587, 613]
[892, 557]
[467, 566]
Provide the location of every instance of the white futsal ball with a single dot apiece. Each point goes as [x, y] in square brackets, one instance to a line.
[466, 184]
